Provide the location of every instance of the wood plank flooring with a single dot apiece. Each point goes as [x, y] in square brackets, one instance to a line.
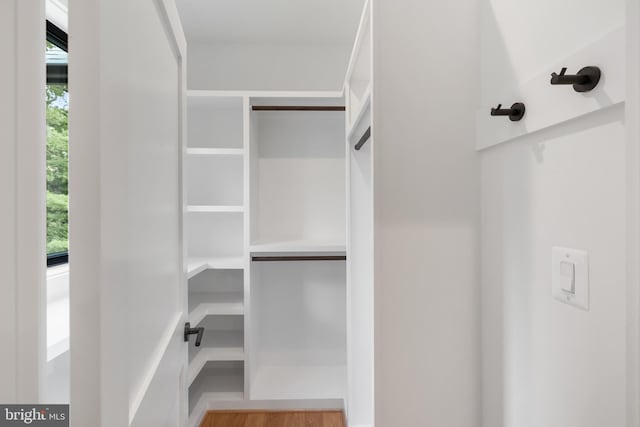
[273, 419]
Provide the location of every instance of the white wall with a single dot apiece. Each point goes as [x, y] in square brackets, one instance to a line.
[632, 122]
[22, 217]
[546, 363]
[426, 213]
[267, 67]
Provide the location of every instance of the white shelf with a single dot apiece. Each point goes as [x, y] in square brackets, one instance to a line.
[308, 101]
[303, 247]
[218, 344]
[202, 310]
[299, 382]
[198, 265]
[214, 209]
[205, 355]
[215, 151]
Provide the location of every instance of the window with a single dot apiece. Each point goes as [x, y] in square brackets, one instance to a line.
[57, 147]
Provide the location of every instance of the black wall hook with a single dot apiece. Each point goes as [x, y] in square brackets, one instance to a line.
[586, 79]
[515, 113]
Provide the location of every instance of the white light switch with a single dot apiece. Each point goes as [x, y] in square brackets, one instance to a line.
[570, 276]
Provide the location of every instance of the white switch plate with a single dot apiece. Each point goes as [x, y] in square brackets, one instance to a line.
[562, 280]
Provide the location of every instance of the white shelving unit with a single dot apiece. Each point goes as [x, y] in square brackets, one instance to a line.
[267, 184]
[222, 342]
[215, 232]
[298, 308]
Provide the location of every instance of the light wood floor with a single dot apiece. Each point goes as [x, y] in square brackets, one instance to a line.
[273, 419]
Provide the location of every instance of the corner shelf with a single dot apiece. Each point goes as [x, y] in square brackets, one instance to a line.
[198, 265]
[205, 355]
[204, 309]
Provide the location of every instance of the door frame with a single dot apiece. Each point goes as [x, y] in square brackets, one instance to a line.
[23, 223]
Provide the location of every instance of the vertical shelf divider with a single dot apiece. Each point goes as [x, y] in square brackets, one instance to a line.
[246, 143]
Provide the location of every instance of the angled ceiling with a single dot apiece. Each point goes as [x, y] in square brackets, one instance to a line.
[271, 21]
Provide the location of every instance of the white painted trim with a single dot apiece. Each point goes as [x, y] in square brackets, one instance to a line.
[377, 286]
[159, 353]
[31, 205]
[365, 19]
[232, 401]
[174, 25]
[22, 222]
[348, 236]
[58, 14]
[364, 108]
[538, 95]
[203, 405]
[246, 145]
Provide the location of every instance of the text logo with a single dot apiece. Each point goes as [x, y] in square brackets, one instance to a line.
[34, 415]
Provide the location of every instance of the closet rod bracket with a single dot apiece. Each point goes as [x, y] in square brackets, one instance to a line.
[363, 140]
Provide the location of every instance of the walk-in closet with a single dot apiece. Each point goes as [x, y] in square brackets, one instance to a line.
[278, 191]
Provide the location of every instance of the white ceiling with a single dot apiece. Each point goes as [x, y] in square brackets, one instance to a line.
[271, 21]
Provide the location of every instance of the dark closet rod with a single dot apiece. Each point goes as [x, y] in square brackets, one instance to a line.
[364, 139]
[296, 108]
[300, 258]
